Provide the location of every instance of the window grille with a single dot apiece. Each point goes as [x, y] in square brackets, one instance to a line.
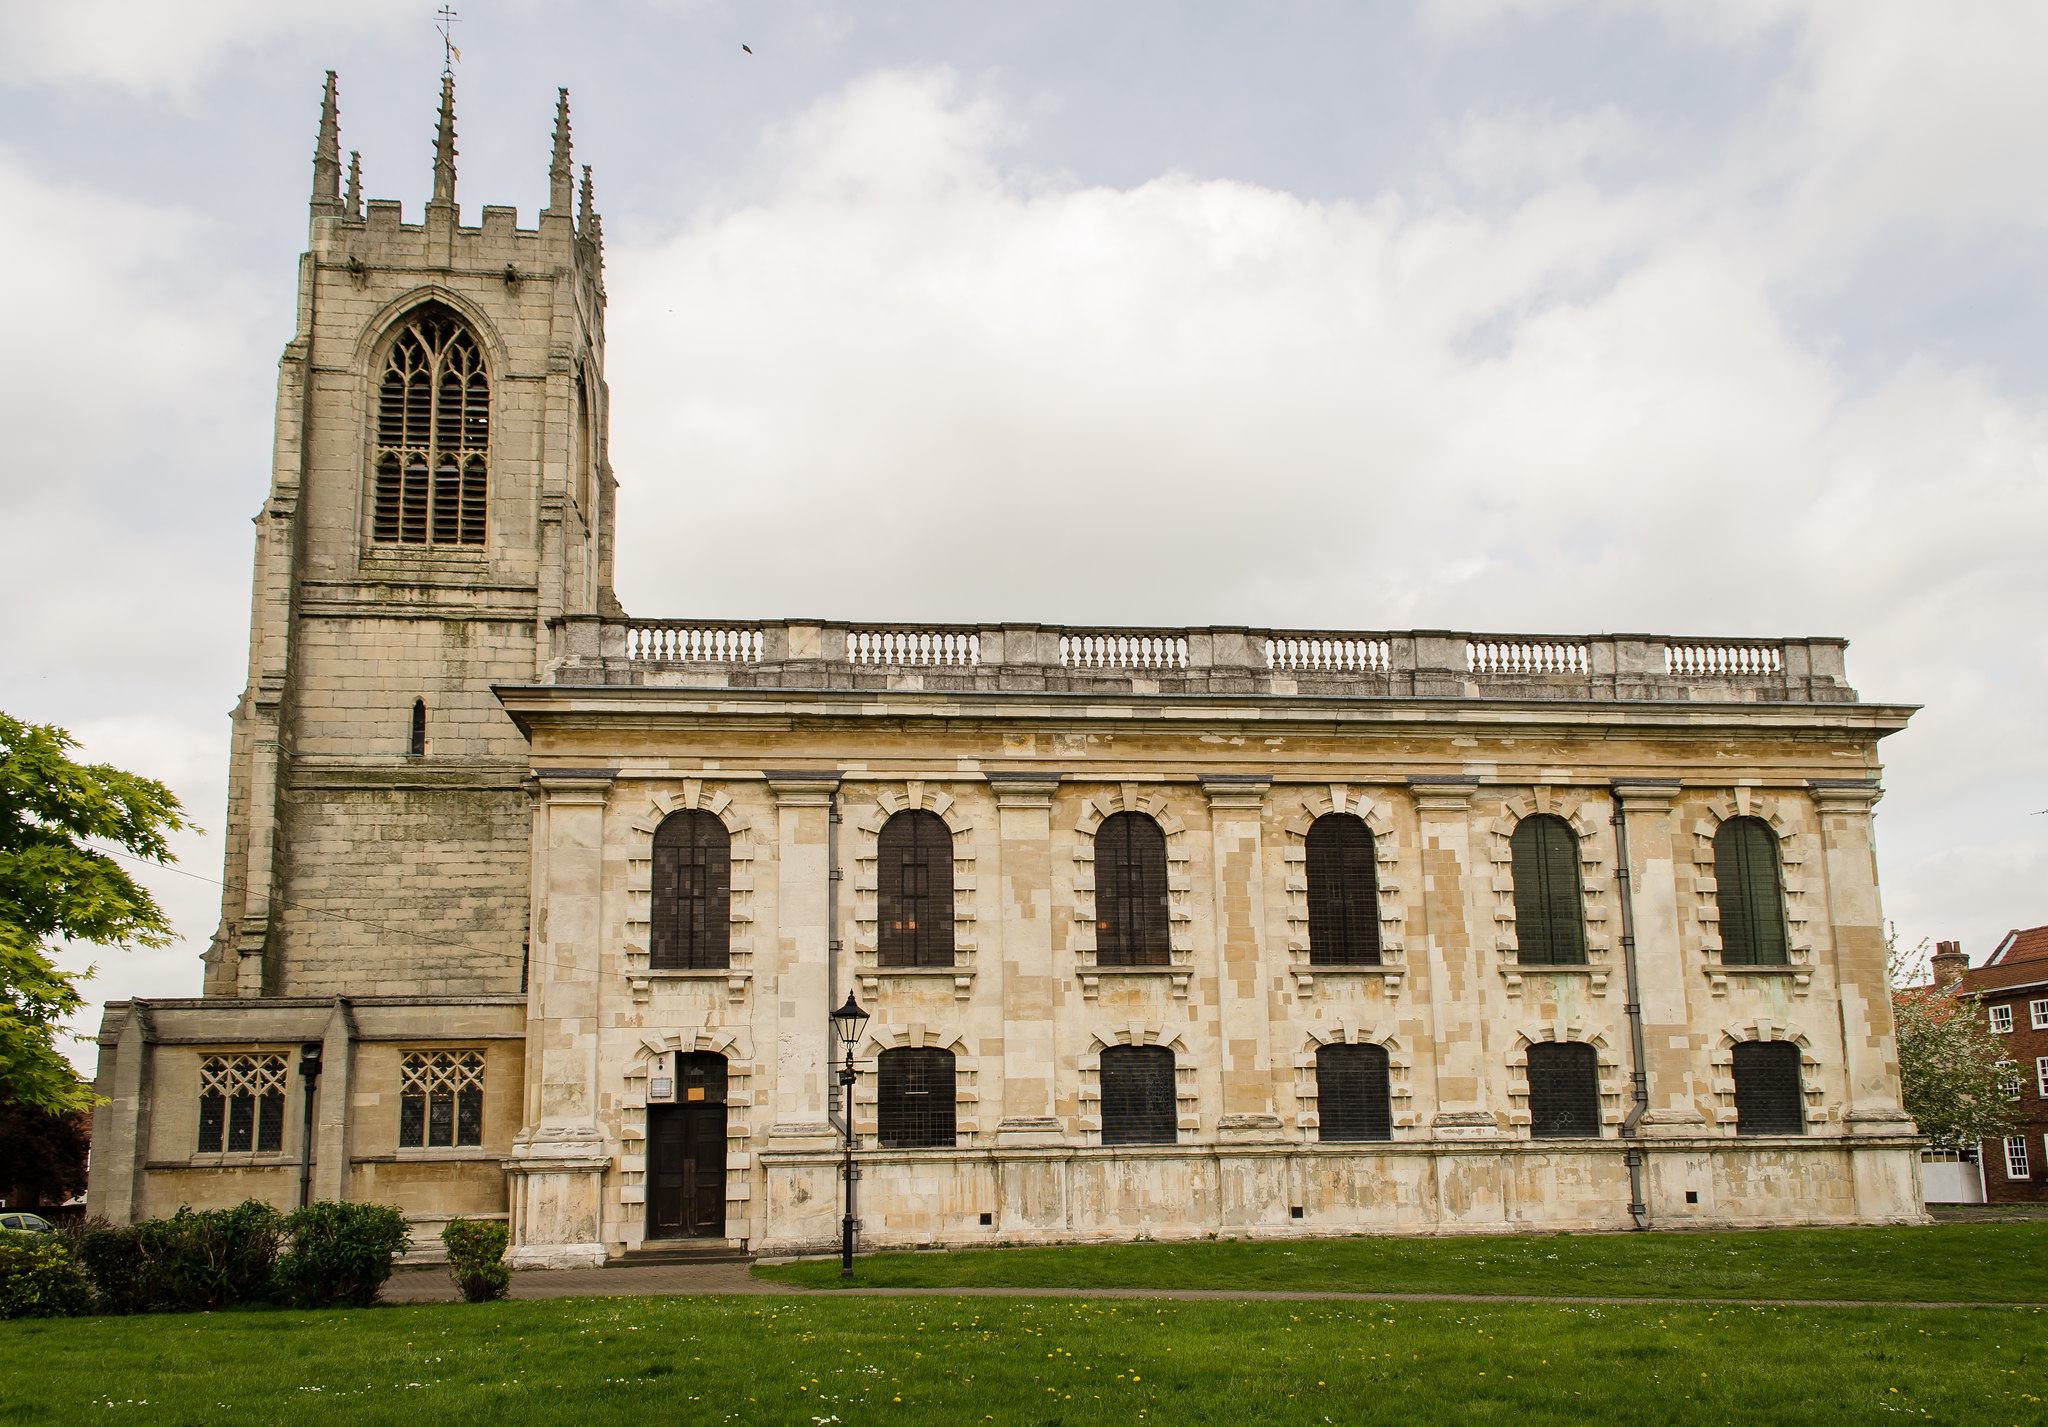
[1550, 917]
[1354, 1093]
[2037, 1015]
[1767, 1090]
[690, 927]
[1749, 893]
[441, 1099]
[2001, 1020]
[241, 1103]
[1564, 1090]
[914, 1088]
[433, 431]
[2016, 1166]
[1131, 918]
[914, 886]
[1343, 893]
[1138, 1102]
[2009, 1083]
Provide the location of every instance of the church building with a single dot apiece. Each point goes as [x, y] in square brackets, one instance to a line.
[538, 911]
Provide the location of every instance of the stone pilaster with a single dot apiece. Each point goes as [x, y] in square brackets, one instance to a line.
[559, 1158]
[1457, 977]
[802, 1027]
[1674, 1050]
[331, 1102]
[1244, 1015]
[1031, 1053]
[1870, 1055]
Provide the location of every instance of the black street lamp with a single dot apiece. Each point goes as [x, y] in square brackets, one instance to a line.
[848, 1021]
[309, 1067]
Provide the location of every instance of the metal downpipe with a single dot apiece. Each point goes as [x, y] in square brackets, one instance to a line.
[835, 1110]
[1639, 1075]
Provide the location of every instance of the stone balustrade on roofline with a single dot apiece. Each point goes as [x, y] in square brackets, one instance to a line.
[1034, 658]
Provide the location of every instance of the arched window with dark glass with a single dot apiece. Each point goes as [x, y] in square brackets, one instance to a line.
[914, 1098]
[416, 745]
[1131, 918]
[433, 434]
[692, 913]
[914, 885]
[1354, 1093]
[1749, 893]
[1138, 1102]
[1564, 1090]
[1550, 925]
[1767, 1090]
[1343, 893]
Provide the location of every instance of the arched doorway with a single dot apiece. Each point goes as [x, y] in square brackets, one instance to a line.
[686, 1153]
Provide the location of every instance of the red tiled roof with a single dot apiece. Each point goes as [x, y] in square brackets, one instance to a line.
[2020, 960]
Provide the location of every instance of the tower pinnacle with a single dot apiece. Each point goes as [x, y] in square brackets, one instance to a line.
[352, 202]
[589, 226]
[561, 173]
[444, 147]
[327, 156]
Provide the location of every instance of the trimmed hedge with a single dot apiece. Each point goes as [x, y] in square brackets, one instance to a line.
[41, 1280]
[340, 1253]
[476, 1256]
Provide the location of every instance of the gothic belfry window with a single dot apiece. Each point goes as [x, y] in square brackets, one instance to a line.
[433, 434]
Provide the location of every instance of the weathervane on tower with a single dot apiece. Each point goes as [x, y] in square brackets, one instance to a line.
[450, 55]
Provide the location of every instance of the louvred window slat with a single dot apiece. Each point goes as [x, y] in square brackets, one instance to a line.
[1767, 1090]
[1550, 926]
[692, 904]
[1132, 917]
[914, 890]
[433, 435]
[1354, 1093]
[1138, 1102]
[1343, 893]
[1564, 1090]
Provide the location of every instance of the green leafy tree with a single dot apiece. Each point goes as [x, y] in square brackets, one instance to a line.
[55, 888]
[1949, 1064]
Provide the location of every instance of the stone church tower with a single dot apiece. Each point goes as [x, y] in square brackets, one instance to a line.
[439, 494]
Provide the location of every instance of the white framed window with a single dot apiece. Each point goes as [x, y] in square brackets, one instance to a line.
[2001, 1020]
[2009, 1081]
[2016, 1157]
[2037, 1014]
[2041, 1076]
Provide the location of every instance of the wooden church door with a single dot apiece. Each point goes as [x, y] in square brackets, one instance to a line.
[686, 1154]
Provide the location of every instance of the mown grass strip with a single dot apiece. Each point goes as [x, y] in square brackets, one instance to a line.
[1945, 1263]
[1031, 1362]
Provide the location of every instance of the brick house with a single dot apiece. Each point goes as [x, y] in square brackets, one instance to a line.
[2012, 990]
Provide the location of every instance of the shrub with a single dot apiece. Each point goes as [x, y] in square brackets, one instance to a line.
[340, 1254]
[476, 1256]
[40, 1280]
[196, 1259]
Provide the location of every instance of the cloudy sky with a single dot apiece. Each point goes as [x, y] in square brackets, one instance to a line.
[1482, 314]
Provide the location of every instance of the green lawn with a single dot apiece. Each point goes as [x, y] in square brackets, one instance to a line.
[819, 1361]
[1944, 1263]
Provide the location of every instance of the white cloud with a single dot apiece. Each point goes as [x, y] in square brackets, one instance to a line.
[151, 47]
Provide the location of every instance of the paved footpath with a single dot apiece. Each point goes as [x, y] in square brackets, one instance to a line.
[433, 1285]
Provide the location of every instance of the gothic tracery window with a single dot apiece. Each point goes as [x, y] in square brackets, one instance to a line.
[441, 1099]
[433, 431]
[241, 1103]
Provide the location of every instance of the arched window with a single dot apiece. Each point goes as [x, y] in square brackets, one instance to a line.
[1749, 894]
[1564, 1090]
[914, 884]
[1138, 1103]
[914, 1094]
[1343, 893]
[1550, 926]
[1130, 893]
[417, 744]
[1767, 1092]
[433, 434]
[692, 913]
[241, 1103]
[1354, 1093]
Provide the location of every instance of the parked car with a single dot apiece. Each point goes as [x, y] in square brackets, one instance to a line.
[33, 1225]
